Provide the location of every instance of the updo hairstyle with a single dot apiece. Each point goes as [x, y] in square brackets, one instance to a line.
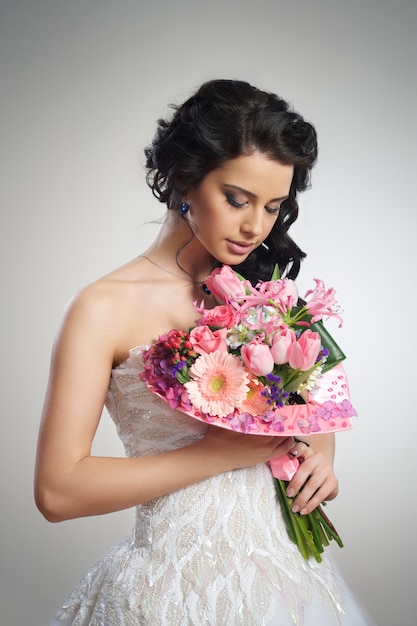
[225, 119]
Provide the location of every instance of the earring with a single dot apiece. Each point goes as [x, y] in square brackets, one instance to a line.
[184, 208]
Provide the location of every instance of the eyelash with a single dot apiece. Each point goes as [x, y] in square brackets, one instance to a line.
[240, 205]
[233, 202]
[273, 211]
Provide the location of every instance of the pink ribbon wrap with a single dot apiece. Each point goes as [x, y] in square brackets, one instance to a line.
[284, 467]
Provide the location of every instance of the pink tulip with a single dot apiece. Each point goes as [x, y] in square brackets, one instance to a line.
[281, 345]
[224, 284]
[204, 340]
[257, 358]
[304, 351]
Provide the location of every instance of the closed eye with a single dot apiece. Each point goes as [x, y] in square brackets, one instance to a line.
[233, 202]
[273, 210]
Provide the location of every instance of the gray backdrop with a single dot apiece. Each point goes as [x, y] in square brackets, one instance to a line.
[82, 84]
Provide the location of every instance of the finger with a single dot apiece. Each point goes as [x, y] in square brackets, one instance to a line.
[317, 498]
[284, 445]
[301, 441]
[300, 448]
[305, 471]
[316, 489]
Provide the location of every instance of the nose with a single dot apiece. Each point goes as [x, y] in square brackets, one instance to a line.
[252, 223]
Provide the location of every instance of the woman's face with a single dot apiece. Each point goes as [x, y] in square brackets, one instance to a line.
[235, 206]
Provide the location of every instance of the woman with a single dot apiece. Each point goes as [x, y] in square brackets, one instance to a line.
[209, 545]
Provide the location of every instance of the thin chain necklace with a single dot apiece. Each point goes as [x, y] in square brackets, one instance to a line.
[193, 282]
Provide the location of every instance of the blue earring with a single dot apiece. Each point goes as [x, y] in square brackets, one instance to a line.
[184, 208]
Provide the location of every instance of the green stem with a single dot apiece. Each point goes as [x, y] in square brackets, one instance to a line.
[319, 537]
[304, 523]
[328, 526]
[309, 532]
[286, 507]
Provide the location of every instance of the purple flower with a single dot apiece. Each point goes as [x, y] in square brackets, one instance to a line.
[177, 367]
[274, 392]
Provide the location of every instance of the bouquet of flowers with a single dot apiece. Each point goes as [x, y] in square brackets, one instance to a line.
[260, 363]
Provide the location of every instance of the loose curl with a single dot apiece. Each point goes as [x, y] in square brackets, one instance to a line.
[225, 119]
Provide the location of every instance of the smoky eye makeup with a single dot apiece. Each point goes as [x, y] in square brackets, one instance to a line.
[232, 201]
[276, 205]
[274, 210]
[238, 198]
[239, 205]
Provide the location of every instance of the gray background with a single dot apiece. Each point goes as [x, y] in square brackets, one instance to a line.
[82, 84]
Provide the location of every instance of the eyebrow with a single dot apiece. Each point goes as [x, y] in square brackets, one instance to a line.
[253, 195]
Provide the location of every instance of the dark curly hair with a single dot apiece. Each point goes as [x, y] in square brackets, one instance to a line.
[221, 121]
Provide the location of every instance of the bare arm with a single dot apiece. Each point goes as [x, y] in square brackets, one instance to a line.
[69, 481]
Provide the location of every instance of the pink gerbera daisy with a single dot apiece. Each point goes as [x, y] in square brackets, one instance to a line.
[219, 383]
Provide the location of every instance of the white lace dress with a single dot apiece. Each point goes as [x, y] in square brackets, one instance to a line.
[215, 553]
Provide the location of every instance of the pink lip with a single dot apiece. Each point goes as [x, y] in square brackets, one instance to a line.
[239, 247]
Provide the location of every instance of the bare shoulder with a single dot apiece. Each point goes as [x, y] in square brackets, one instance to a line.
[128, 307]
[101, 314]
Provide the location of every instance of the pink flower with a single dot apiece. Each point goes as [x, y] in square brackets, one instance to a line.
[305, 350]
[204, 340]
[218, 385]
[223, 315]
[178, 397]
[322, 302]
[331, 409]
[309, 426]
[257, 358]
[328, 410]
[281, 345]
[242, 422]
[284, 292]
[346, 409]
[224, 284]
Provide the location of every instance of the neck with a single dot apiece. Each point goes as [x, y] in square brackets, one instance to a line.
[177, 251]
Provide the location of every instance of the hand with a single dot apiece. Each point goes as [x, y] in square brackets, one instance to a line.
[314, 480]
[232, 450]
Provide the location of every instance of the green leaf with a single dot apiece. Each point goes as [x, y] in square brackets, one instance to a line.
[275, 273]
[292, 383]
[183, 375]
[240, 277]
[336, 355]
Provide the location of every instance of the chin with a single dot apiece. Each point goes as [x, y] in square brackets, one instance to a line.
[232, 259]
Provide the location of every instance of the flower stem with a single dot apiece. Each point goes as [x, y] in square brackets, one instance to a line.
[328, 527]
[309, 532]
[293, 522]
